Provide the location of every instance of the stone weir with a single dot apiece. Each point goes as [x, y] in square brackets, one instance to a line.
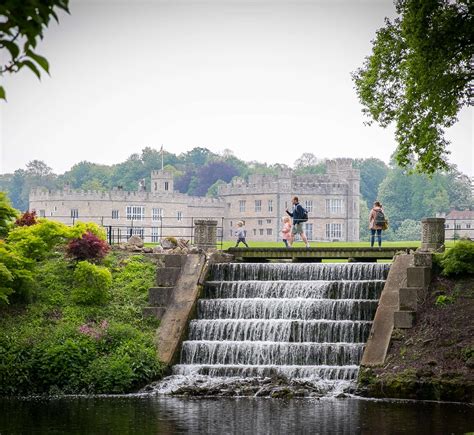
[273, 326]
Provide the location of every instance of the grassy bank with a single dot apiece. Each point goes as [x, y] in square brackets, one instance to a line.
[55, 345]
[434, 360]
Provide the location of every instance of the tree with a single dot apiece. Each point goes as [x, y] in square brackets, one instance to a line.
[418, 77]
[22, 23]
[309, 164]
[372, 173]
[409, 230]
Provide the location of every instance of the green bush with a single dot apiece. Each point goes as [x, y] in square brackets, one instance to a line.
[143, 361]
[7, 215]
[16, 275]
[91, 284]
[444, 300]
[61, 364]
[81, 228]
[110, 374]
[459, 260]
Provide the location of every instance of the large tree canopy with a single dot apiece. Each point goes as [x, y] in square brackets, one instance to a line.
[418, 77]
[22, 23]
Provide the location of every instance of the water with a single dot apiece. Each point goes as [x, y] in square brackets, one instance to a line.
[303, 325]
[170, 415]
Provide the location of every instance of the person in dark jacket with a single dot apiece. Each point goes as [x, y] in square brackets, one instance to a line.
[297, 228]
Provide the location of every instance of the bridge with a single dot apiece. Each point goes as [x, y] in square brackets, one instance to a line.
[317, 254]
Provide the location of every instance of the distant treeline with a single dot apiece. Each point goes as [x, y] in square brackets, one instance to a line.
[405, 196]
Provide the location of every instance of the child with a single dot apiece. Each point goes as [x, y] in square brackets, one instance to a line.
[286, 231]
[241, 233]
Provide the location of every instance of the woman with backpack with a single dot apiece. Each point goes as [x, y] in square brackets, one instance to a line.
[376, 223]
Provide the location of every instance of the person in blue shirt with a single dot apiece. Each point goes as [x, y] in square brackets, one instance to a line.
[297, 228]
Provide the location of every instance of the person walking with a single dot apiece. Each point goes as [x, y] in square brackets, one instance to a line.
[286, 230]
[299, 215]
[241, 234]
[376, 223]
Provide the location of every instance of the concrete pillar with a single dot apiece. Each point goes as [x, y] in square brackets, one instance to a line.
[205, 233]
[432, 234]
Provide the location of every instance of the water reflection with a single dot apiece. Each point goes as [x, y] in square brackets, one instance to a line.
[165, 415]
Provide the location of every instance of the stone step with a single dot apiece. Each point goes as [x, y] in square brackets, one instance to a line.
[157, 312]
[167, 276]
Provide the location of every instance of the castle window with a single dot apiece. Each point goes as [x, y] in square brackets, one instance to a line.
[156, 185]
[269, 221]
[115, 214]
[468, 226]
[156, 214]
[309, 231]
[254, 232]
[333, 231]
[74, 213]
[242, 205]
[179, 216]
[269, 231]
[457, 226]
[135, 212]
[446, 226]
[42, 213]
[167, 185]
[258, 205]
[260, 221]
[270, 205]
[333, 205]
[155, 234]
[261, 231]
[308, 205]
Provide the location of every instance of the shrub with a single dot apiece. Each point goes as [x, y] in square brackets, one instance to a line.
[458, 260]
[444, 300]
[110, 374]
[88, 247]
[27, 219]
[91, 284]
[7, 214]
[80, 228]
[61, 363]
[37, 241]
[16, 274]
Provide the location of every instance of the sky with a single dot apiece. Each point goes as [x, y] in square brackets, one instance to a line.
[268, 79]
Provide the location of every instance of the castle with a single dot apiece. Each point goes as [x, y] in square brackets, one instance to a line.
[332, 201]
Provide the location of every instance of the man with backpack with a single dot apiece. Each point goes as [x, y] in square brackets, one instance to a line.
[377, 223]
[299, 215]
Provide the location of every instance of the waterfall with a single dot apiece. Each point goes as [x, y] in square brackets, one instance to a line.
[305, 322]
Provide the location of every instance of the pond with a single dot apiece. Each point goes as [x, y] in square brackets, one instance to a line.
[151, 414]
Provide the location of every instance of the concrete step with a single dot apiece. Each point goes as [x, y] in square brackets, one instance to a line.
[157, 312]
[159, 296]
[167, 276]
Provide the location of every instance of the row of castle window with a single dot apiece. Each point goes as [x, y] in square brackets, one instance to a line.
[332, 205]
[132, 212]
[458, 226]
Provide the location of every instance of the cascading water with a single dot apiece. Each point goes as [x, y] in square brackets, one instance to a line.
[299, 322]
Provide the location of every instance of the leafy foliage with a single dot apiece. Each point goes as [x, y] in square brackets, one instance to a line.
[88, 247]
[22, 24]
[27, 219]
[409, 229]
[91, 284]
[458, 260]
[418, 77]
[7, 214]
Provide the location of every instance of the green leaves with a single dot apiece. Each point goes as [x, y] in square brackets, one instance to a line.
[418, 78]
[22, 24]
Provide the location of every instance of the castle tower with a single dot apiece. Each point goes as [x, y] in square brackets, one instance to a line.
[162, 181]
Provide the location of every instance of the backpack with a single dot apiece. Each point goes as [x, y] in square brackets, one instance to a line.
[304, 216]
[379, 218]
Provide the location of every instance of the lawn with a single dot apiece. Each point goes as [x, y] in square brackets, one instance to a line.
[411, 244]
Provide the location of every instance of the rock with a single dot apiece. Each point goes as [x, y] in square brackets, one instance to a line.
[193, 250]
[135, 241]
[157, 249]
[470, 362]
[148, 250]
[168, 244]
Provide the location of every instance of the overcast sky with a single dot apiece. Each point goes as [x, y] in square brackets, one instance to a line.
[268, 79]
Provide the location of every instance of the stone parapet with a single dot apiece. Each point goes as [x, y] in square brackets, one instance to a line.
[205, 233]
[432, 234]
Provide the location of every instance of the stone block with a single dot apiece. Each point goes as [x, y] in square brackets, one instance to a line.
[404, 319]
[423, 259]
[408, 298]
[167, 276]
[418, 276]
[157, 312]
[175, 260]
[159, 296]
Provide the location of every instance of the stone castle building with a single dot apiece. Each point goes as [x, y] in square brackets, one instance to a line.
[332, 201]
